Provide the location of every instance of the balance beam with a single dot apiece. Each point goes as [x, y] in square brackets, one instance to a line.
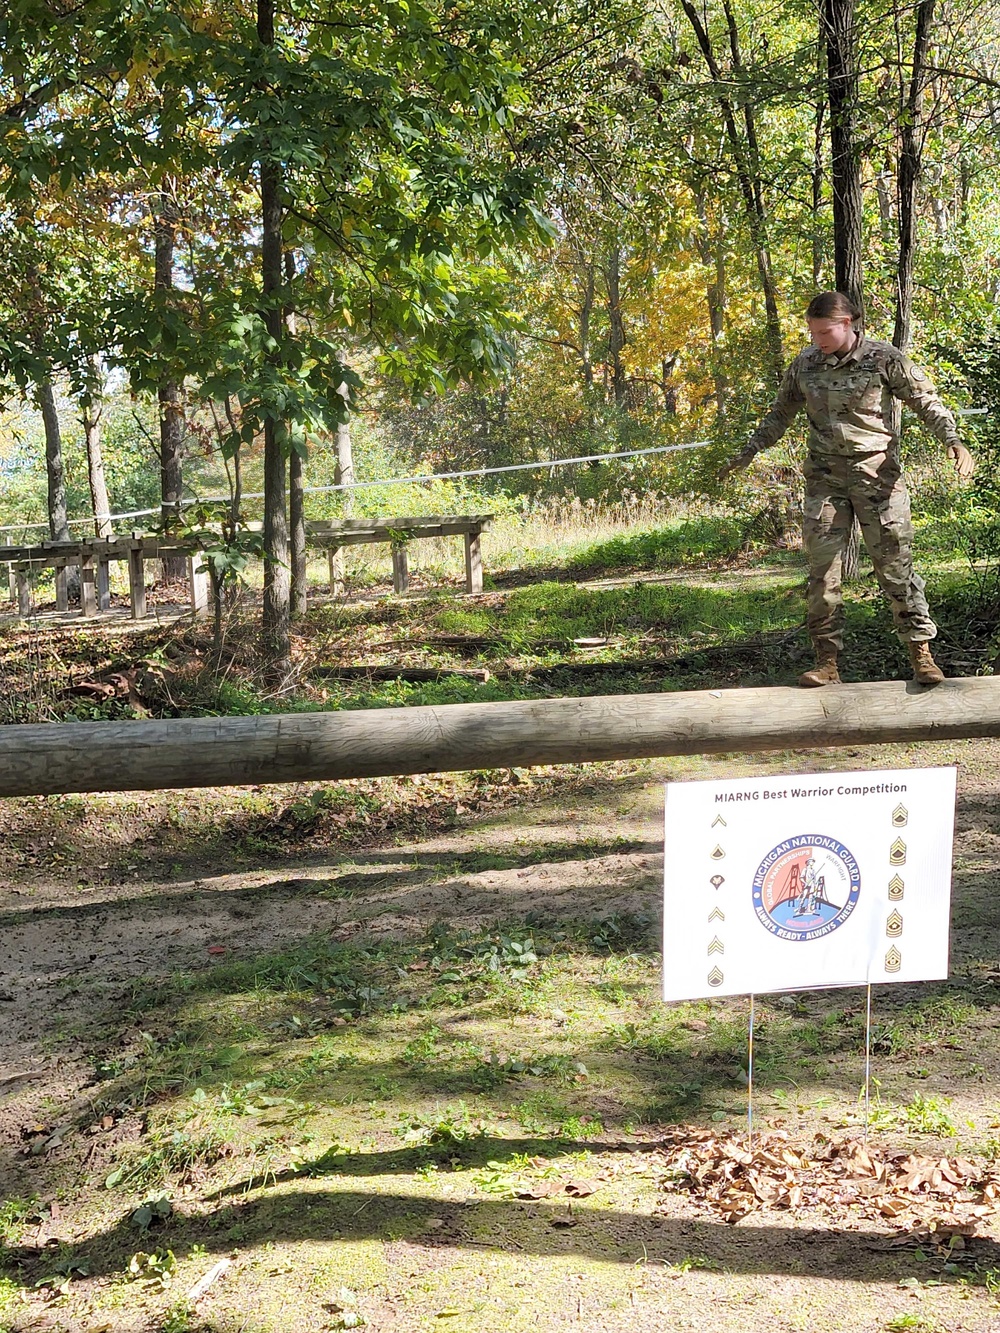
[52, 758]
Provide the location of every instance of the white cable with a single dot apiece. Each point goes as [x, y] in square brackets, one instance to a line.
[392, 481]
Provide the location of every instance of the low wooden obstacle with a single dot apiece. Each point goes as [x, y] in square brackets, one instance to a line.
[338, 533]
[93, 555]
[324, 747]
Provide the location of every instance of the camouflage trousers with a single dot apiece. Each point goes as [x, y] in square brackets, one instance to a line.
[875, 491]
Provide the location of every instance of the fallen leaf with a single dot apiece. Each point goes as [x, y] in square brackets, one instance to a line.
[580, 1189]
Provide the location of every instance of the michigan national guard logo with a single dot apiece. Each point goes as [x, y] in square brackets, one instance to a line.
[806, 887]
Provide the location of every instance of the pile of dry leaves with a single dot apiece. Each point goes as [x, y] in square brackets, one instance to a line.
[916, 1194]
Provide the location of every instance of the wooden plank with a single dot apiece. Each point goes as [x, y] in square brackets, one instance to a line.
[360, 531]
[137, 583]
[25, 591]
[400, 569]
[335, 559]
[103, 584]
[401, 521]
[62, 588]
[198, 575]
[41, 759]
[88, 585]
[473, 562]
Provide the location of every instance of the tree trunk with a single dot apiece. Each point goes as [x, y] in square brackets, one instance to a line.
[910, 163]
[55, 474]
[297, 533]
[344, 471]
[169, 392]
[276, 617]
[296, 491]
[746, 156]
[91, 412]
[616, 334]
[818, 173]
[586, 311]
[840, 36]
[712, 253]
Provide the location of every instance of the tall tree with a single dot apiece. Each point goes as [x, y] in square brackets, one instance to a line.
[744, 146]
[912, 131]
[840, 35]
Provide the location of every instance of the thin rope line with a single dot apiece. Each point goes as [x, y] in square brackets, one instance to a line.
[392, 481]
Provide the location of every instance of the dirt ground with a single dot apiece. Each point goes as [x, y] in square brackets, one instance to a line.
[636, 1256]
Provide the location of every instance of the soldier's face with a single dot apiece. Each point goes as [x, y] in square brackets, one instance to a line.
[831, 335]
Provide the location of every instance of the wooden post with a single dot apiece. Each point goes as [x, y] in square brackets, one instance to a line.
[198, 575]
[38, 759]
[11, 584]
[103, 584]
[62, 588]
[137, 582]
[400, 568]
[335, 557]
[88, 584]
[473, 561]
[25, 592]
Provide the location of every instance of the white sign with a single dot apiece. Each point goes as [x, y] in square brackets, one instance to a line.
[793, 883]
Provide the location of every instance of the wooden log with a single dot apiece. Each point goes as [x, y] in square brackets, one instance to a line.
[137, 582]
[198, 575]
[473, 562]
[335, 556]
[103, 585]
[412, 673]
[25, 591]
[88, 585]
[400, 569]
[43, 759]
[62, 588]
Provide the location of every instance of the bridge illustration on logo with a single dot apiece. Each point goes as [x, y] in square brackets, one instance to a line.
[806, 887]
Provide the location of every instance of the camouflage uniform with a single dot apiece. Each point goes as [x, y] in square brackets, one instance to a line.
[853, 468]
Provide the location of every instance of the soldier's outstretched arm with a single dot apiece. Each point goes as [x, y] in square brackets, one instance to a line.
[780, 416]
[909, 384]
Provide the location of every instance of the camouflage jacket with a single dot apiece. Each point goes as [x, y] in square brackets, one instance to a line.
[848, 402]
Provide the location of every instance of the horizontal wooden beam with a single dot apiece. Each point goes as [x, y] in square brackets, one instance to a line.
[316, 747]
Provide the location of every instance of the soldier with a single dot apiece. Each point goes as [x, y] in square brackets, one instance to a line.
[845, 382]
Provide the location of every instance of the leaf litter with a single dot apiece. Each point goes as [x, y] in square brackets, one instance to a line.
[945, 1198]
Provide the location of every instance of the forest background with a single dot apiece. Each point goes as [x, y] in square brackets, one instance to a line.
[251, 249]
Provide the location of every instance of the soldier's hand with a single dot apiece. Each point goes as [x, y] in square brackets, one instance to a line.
[965, 464]
[738, 464]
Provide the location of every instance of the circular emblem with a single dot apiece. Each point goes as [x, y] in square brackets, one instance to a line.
[806, 887]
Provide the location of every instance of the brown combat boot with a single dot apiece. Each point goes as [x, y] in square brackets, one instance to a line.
[925, 670]
[825, 671]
